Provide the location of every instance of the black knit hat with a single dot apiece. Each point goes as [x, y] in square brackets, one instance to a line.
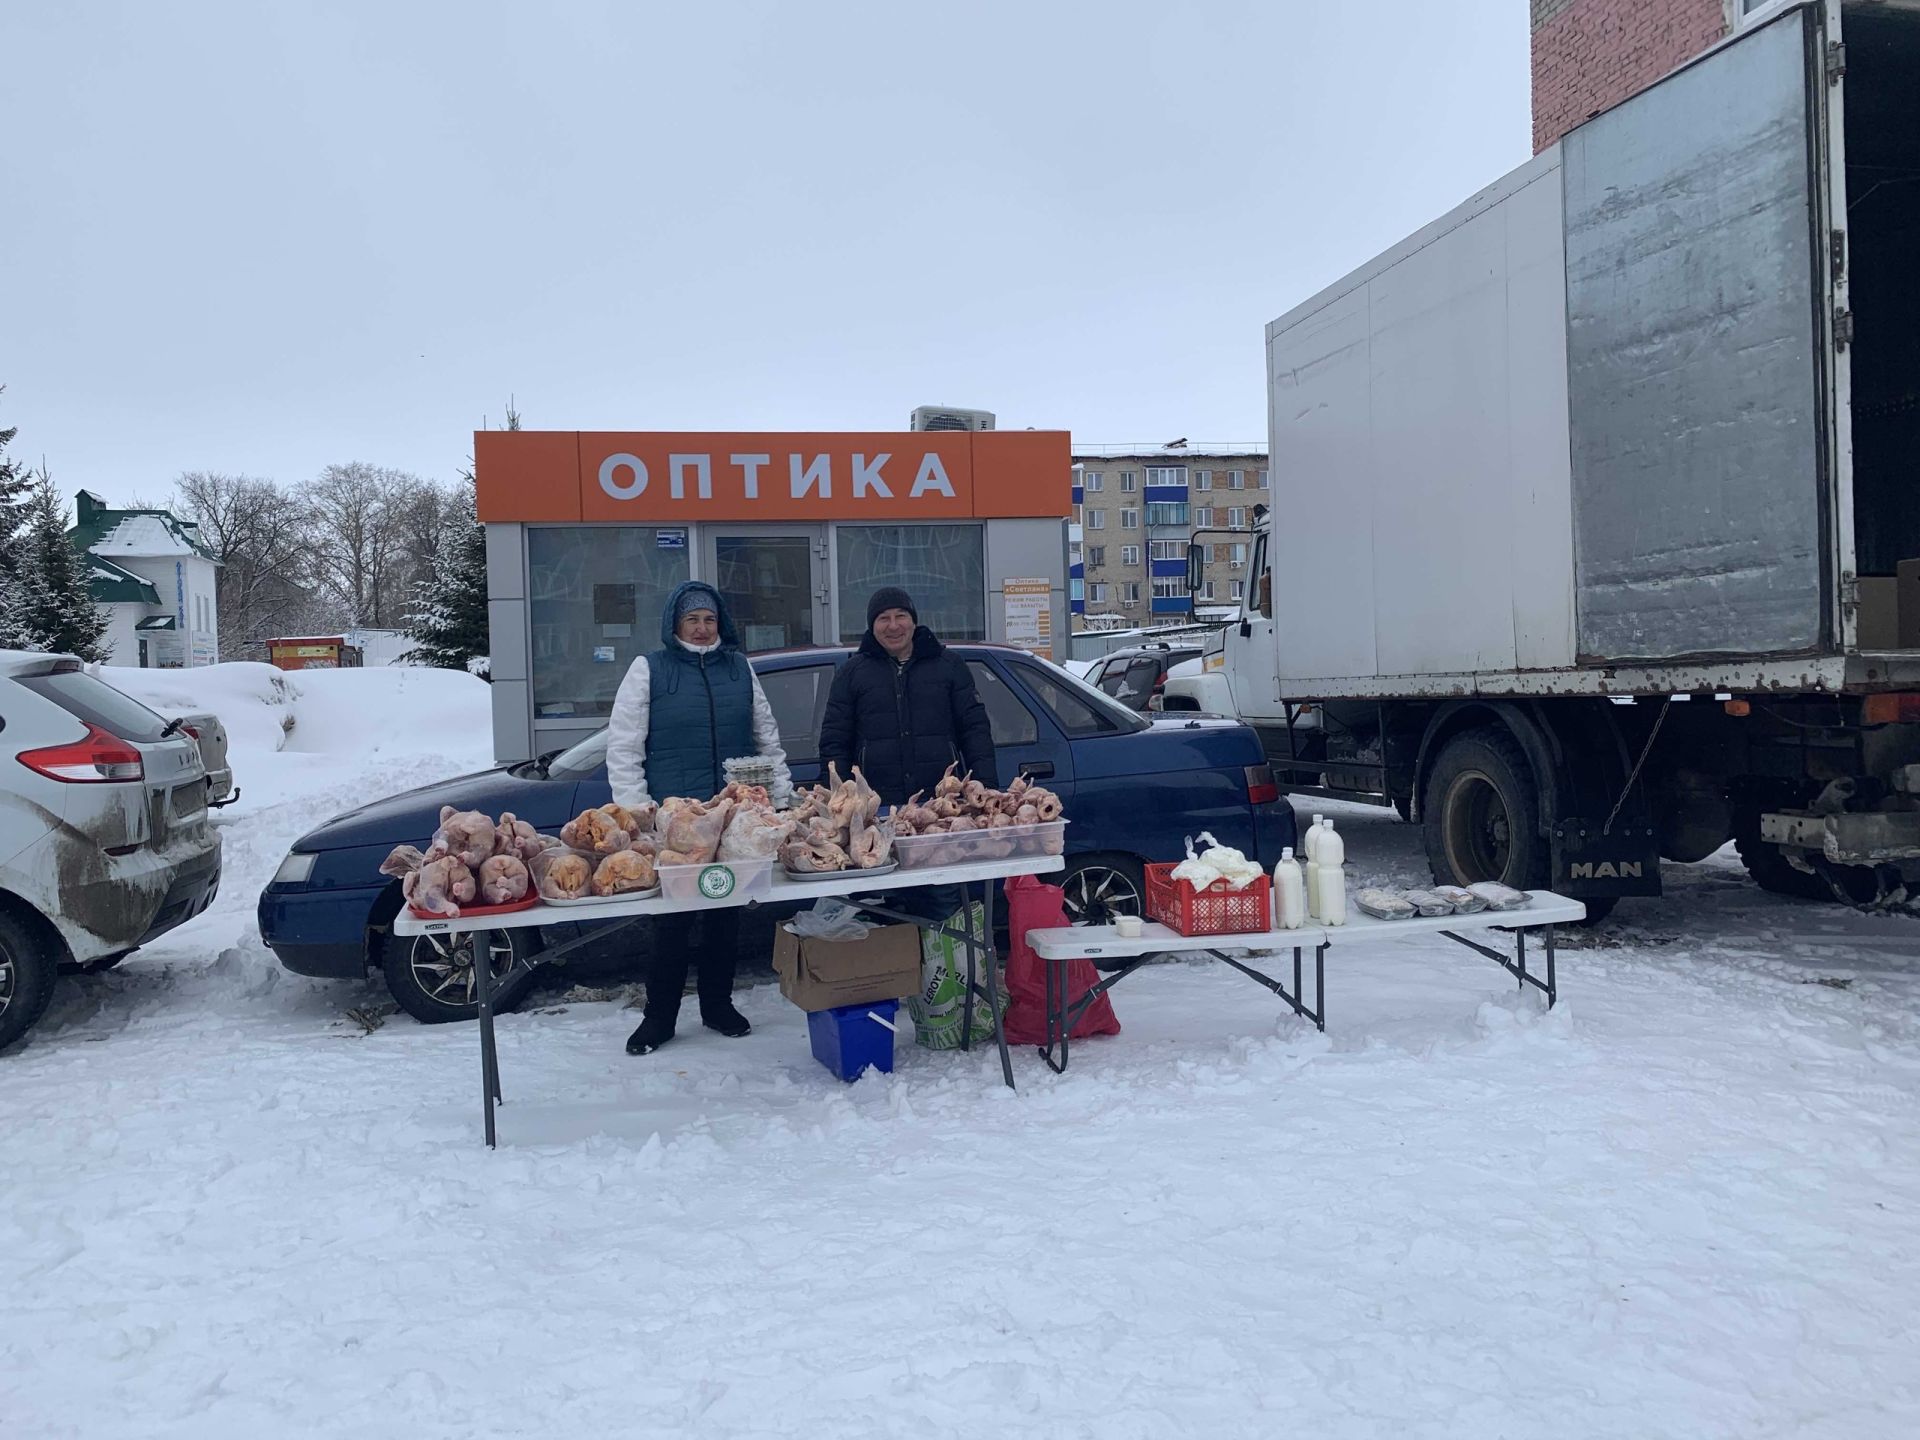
[890, 597]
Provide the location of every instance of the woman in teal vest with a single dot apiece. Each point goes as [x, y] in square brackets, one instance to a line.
[681, 713]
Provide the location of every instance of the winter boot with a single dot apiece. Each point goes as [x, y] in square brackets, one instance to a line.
[654, 1032]
[723, 1017]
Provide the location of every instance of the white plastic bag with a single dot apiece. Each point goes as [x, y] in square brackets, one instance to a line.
[1219, 862]
[830, 920]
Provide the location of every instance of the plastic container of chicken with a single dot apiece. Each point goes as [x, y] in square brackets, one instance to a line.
[718, 880]
[968, 847]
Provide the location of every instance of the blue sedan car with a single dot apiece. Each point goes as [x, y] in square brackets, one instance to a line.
[1135, 786]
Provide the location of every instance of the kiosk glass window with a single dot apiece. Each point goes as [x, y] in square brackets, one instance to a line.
[942, 566]
[596, 593]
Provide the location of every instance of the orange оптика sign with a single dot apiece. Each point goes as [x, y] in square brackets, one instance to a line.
[679, 476]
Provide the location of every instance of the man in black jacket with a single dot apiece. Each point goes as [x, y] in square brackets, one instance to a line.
[903, 707]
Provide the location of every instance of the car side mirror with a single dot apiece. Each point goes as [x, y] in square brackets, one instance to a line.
[1196, 567]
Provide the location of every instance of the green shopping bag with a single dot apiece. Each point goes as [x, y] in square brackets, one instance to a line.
[939, 1010]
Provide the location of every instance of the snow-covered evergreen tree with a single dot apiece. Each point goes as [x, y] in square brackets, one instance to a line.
[17, 630]
[448, 624]
[54, 609]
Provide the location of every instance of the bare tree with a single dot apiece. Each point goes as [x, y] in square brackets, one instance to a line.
[262, 537]
[361, 517]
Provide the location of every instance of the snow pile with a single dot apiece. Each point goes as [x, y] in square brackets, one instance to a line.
[254, 701]
[1681, 1204]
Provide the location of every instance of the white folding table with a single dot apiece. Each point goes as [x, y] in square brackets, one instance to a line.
[854, 888]
[1104, 945]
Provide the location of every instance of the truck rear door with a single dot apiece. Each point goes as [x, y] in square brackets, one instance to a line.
[1701, 358]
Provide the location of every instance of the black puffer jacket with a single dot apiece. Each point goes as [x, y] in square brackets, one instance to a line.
[904, 724]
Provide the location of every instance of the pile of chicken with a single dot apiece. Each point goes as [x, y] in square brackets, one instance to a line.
[965, 806]
[472, 859]
[833, 828]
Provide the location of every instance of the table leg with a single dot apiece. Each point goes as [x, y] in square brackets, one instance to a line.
[1320, 989]
[1552, 992]
[1520, 954]
[993, 990]
[966, 1000]
[489, 1056]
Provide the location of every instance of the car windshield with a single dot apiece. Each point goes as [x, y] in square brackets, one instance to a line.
[579, 760]
[94, 703]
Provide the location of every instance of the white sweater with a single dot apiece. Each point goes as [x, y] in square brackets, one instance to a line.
[627, 735]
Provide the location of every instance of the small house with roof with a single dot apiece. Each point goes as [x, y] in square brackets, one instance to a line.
[154, 576]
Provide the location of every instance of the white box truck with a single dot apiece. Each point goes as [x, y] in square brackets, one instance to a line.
[1592, 497]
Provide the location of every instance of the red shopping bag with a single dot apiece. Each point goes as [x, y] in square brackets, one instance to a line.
[1032, 904]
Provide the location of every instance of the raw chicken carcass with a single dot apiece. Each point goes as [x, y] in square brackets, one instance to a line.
[440, 887]
[742, 794]
[950, 784]
[514, 836]
[595, 831]
[1046, 803]
[635, 820]
[404, 860]
[624, 872]
[753, 833]
[503, 880]
[815, 857]
[467, 835]
[559, 874]
[694, 831]
[872, 845]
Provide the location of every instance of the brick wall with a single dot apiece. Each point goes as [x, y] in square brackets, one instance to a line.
[1589, 55]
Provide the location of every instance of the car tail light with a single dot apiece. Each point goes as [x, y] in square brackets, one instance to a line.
[100, 758]
[1890, 710]
[1261, 789]
[189, 730]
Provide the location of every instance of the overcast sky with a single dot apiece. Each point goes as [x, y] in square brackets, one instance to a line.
[264, 238]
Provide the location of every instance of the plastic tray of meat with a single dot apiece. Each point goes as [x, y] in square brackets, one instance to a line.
[969, 847]
[591, 900]
[469, 912]
[855, 872]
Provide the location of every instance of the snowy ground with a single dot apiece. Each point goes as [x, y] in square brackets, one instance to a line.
[1683, 1204]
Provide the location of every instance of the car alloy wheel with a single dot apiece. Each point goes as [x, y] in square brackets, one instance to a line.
[1097, 892]
[8, 983]
[443, 967]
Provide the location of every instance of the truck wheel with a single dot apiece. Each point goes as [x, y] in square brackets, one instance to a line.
[431, 976]
[1768, 866]
[28, 967]
[1479, 816]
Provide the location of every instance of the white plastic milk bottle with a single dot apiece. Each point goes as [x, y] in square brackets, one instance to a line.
[1312, 876]
[1332, 854]
[1289, 893]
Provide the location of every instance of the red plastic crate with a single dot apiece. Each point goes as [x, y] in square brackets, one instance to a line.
[1216, 910]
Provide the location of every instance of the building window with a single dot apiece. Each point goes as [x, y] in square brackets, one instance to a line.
[1203, 479]
[1129, 554]
[1097, 555]
[1096, 520]
[1077, 590]
[1202, 516]
[1237, 589]
[1168, 587]
[1167, 475]
[1097, 594]
[1237, 518]
[942, 566]
[1130, 519]
[1260, 479]
[1079, 515]
[1092, 480]
[1166, 512]
[1168, 549]
[1130, 593]
[595, 594]
[1236, 479]
[1127, 478]
[1206, 589]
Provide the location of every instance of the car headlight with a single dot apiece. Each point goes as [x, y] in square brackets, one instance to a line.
[295, 869]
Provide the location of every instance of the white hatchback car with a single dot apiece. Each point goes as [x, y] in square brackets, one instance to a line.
[104, 837]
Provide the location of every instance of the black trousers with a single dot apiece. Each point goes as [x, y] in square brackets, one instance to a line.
[705, 941]
[931, 903]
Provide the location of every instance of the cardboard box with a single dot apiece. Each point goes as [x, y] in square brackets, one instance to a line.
[1907, 579]
[820, 974]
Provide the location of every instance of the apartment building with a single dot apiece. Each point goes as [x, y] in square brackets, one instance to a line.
[1135, 510]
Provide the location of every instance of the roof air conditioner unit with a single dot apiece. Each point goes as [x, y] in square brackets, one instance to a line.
[945, 417]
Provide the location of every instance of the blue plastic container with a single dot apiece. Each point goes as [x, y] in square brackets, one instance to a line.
[848, 1039]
